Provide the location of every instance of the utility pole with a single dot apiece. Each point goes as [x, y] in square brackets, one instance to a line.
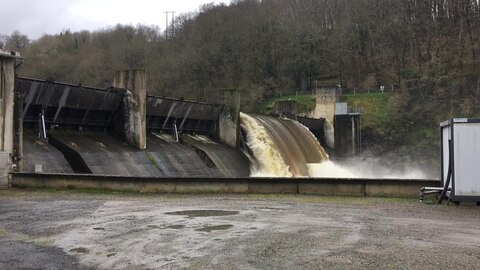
[166, 22]
[173, 23]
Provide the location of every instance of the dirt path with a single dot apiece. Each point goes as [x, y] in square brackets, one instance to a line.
[75, 230]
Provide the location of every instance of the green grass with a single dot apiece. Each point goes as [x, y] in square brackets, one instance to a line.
[152, 159]
[374, 107]
[304, 103]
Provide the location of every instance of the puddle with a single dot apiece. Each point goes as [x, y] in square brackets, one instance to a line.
[215, 228]
[177, 227]
[80, 250]
[99, 229]
[203, 213]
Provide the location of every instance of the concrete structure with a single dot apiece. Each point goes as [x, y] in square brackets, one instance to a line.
[331, 121]
[174, 116]
[82, 123]
[318, 186]
[231, 162]
[347, 134]
[7, 133]
[229, 119]
[285, 109]
[325, 100]
[135, 128]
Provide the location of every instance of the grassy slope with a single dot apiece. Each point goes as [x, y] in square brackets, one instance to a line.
[305, 103]
[373, 107]
[378, 123]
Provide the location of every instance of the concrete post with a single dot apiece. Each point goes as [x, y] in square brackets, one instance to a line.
[7, 83]
[134, 82]
[229, 119]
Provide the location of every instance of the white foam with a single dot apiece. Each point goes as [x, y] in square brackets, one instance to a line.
[328, 168]
[329, 134]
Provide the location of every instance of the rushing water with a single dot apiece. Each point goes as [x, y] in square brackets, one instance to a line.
[285, 148]
[281, 147]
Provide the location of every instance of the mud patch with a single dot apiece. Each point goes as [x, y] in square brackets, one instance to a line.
[203, 213]
[80, 250]
[215, 228]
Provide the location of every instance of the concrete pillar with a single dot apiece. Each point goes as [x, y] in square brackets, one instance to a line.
[229, 119]
[7, 83]
[134, 82]
[285, 109]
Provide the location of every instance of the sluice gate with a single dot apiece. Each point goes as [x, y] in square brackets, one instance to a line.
[85, 130]
[167, 114]
[66, 105]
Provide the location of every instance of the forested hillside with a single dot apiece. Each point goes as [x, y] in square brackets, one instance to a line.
[425, 51]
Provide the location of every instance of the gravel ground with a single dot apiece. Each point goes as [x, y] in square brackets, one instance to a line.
[85, 230]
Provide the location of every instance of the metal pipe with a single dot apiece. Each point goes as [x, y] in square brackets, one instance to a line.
[175, 130]
[19, 64]
[449, 173]
[43, 125]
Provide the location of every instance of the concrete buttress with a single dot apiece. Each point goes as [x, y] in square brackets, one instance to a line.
[7, 83]
[229, 119]
[134, 82]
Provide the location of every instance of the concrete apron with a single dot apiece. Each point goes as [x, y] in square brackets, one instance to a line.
[317, 186]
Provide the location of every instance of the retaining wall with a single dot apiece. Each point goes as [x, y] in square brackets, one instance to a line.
[324, 186]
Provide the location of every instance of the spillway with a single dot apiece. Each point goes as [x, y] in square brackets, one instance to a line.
[177, 160]
[280, 147]
[102, 154]
[39, 152]
[230, 162]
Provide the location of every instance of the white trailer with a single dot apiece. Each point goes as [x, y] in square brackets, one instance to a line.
[462, 155]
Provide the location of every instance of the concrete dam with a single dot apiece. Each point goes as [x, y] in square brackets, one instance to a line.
[74, 129]
[63, 135]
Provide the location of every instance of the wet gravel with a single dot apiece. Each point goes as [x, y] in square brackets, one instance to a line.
[79, 230]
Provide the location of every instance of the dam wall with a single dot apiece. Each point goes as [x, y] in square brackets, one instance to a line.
[313, 186]
[119, 131]
[8, 63]
[121, 138]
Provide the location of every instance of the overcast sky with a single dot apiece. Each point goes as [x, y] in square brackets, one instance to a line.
[37, 17]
